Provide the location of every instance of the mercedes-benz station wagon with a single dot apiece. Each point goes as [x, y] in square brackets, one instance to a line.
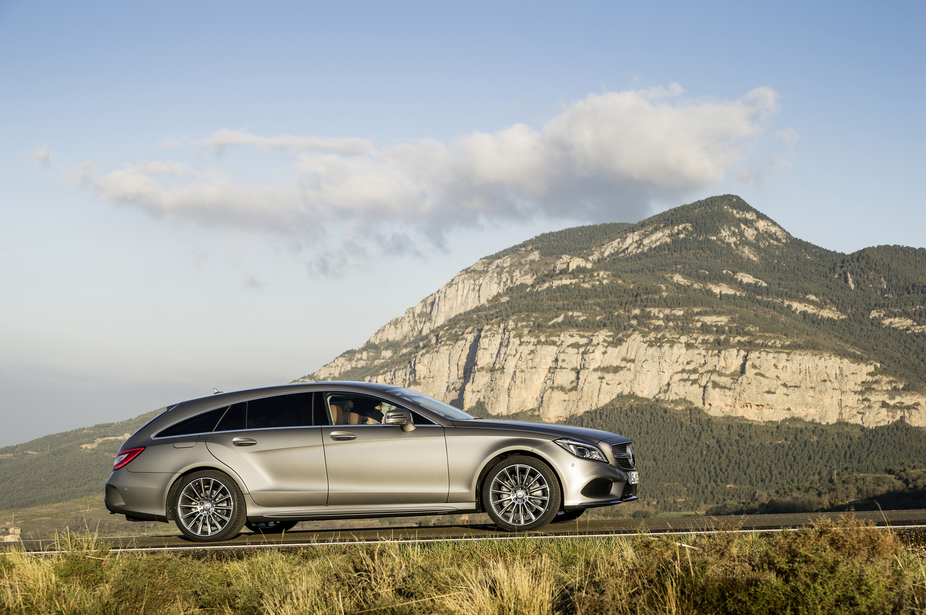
[270, 458]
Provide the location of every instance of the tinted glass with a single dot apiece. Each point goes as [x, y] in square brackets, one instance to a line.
[420, 419]
[234, 418]
[201, 423]
[320, 412]
[280, 411]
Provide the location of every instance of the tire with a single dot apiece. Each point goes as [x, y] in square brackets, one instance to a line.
[208, 506]
[521, 494]
[270, 527]
[572, 515]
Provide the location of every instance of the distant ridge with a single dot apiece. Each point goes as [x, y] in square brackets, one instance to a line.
[711, 303]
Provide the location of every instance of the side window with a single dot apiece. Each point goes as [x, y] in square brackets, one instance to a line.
[419, 419]
[201, 423]
[280, 411]
[234, 418]
[354, 409]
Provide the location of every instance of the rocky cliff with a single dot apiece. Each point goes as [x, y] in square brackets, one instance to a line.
[710, 303]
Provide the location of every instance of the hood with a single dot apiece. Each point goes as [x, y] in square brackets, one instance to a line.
[552, 430]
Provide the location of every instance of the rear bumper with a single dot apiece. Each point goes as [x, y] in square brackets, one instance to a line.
[139, 495]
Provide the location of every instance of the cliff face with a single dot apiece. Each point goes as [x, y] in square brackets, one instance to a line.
[564, 324]
[468, 289]
[506, 372]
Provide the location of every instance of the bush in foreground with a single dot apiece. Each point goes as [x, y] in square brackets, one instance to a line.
[845, 567]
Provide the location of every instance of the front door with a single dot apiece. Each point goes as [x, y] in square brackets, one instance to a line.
[374, 464]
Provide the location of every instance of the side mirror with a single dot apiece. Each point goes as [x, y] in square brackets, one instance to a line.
[403, 418]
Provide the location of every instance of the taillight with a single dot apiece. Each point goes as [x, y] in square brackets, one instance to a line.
[124, 457]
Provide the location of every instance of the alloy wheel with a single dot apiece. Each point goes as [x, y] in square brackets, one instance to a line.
[206, 507]
[519, 495]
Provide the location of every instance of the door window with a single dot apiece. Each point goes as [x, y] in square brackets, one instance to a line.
[355, 409]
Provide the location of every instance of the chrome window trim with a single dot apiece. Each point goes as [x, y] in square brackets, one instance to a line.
[209, 433]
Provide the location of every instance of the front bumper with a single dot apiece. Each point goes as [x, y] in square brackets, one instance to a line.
[587, 483]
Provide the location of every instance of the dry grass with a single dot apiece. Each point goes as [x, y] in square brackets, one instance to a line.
[844, 567]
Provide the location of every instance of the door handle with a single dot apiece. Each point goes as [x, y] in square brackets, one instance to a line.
[342, 435]
[244, 441]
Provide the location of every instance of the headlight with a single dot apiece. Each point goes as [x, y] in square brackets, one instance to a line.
[582, 450]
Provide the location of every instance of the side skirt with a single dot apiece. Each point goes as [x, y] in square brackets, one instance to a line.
[256, 513]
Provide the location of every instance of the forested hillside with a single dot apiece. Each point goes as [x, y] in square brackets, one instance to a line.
[691, 461]
[63, 466]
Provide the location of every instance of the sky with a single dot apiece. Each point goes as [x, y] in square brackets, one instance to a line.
[228, 194]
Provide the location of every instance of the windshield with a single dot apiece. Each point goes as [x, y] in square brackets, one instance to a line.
[429, 403]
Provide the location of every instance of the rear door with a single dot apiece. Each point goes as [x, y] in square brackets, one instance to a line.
[276, 448]
[374, 464]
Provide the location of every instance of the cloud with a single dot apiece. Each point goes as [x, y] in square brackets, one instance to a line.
[42, 155]
[173, 141]
[609, 156]
[788, 136]
[224, 139]
[252, 282]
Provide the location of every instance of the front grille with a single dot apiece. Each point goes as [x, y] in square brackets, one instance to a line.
[597, 488]
[623, 456]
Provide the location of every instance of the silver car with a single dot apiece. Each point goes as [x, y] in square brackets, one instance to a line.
[269, 458]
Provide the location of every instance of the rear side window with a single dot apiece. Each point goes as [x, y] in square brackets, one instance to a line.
[234, 418]
[280, 411]
[201, 423]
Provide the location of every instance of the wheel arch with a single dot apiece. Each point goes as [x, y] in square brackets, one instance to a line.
[171, 493]
[484, 472]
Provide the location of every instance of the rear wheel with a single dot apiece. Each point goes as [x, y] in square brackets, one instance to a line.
[209, 506]
[270, 527]
[520, 494]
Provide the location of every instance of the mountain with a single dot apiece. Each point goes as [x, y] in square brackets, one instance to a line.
[711, 304]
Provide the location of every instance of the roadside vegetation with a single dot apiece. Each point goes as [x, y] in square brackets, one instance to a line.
[833, 567]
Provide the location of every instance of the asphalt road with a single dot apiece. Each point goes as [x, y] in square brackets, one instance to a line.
[913, 520]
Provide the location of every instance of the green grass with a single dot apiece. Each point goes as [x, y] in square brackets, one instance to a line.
[844, 567]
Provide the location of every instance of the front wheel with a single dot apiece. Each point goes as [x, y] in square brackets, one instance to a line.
[270, 527]
[209, 506]
[520, 494]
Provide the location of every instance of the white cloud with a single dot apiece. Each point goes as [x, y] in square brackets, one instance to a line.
[788, 136]
[173, 141]
[605, 157]
[42, 155]
[225, 138]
